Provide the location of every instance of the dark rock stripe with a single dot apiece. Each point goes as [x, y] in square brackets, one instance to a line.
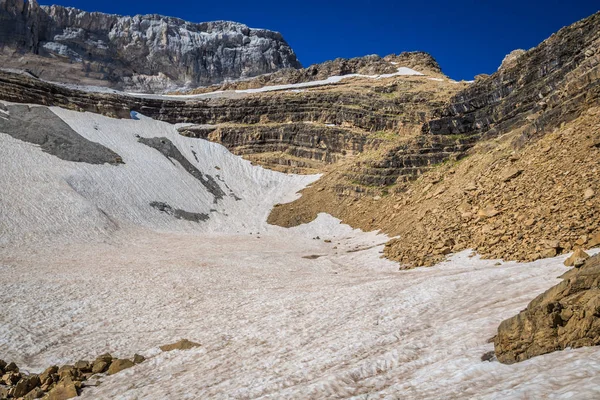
[169, 150]
[178, 213]
[41, 126]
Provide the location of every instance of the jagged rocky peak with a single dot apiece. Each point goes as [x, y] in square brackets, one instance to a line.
[511, 58]
[143, 52]
[374, 64]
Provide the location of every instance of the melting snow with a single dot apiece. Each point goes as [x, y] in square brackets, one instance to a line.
[87, 266]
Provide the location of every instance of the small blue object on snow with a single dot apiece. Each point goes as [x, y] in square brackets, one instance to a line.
[134, 115]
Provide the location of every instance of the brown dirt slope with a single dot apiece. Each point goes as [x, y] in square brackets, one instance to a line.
[503, 200]
[508, 167]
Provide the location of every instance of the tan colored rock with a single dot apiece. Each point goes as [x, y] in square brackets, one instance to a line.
[582, 240]
[488, 212]
[83, 366]
[11, 378]
[549, 253]
[65, 389]
[511, 174]
[35, 393]
[68, 371]
[106, 357]
[100, 366]
[576, 258]
[183, 344]
[564, 316]
[588, 194]
[118, 365]
[137, 359]
[47, 374]
[25, 385]
[594, 240]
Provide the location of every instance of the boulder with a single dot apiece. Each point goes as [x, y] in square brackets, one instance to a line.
[594, 240]
[68, 371]
[11, 378]
[25, 385]
[100, 366]
[137, 359]
[65, 389]
[46, 376]
[119, 365]
[183, 344]
[567, 315]
[577, 258]
[83, 366]
[35, 393]
[12, 367]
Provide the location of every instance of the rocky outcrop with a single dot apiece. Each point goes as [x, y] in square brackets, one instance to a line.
[40, 126]
[367, 65]
[146, 53]
[410, 159]
[567, 315]
[366, 111]
[539, 89]
[316, 142]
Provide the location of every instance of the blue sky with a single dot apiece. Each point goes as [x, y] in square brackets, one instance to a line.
[467, 37]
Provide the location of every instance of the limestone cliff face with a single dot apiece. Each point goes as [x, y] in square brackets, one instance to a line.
[149, 52]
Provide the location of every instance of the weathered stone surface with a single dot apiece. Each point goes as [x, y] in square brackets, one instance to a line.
[47, 375]
[149, 52]
[367, 65]
[65, 389]
[25, 385]
[36, 393]
[39, 125]
[577, 258]
[567, 315]
[119, 365]
[183, 344]
[83, 366]
[137, 359]
[549, 84]
[100, 366]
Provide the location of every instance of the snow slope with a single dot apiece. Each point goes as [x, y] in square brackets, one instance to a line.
[88, 266]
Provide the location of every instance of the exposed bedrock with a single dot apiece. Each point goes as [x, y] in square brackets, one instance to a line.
[541, 88]
[316, 142]
[408, 160]
[366, 111]
[40, 126]
[367, 65]
[171, 152]
[567, 315]
[149, 52]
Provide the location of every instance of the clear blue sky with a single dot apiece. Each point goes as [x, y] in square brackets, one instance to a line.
[467, 37]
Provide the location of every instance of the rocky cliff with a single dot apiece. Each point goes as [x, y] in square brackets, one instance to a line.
[567, 315]
[367, 65]
[147, 53]
[507, 167]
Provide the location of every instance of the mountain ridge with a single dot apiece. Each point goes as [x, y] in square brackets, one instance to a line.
[137, 53]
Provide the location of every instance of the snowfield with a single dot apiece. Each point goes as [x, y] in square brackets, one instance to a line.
[88, 266]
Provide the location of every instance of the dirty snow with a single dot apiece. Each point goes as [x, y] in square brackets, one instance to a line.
[87, 266]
